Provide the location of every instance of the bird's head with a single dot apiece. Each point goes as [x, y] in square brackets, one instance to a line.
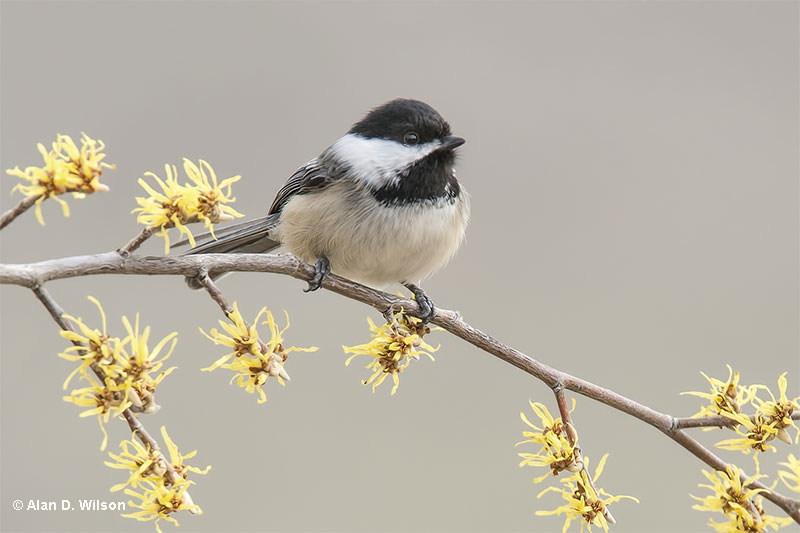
[395, 141]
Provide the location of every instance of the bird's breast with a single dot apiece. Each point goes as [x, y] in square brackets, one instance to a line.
[370, 242]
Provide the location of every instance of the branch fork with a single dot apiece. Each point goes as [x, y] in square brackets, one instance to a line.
[34, 275]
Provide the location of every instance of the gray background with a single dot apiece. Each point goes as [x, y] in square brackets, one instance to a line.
[634, 176]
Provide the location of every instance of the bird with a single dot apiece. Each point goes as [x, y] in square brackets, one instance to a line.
[381, 205]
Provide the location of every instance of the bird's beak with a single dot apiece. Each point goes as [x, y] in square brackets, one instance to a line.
[450, 143]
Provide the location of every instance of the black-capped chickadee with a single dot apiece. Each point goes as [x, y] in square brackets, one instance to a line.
[380, 205]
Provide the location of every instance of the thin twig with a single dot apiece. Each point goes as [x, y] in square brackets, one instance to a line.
[136, 242]
[211, 288]
[134, 423]
[566, 419]
[17, 210]
[205, 280]
[713, 421]
[54, 309]
[34, 274]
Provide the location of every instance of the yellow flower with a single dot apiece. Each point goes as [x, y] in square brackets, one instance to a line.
[739, 524]
[582, 501]
[158, 501]
[134, 379]
[725, 397]
[754, 435]
[211, 199]
[556, 451]
[176, 205]
[729, 494]
[146, 464]
[95, 348]
[791, 477]
[101, 401]
[46, 182]
[254, 361]
[241, 337]
[778, 411]
[740, 505]
[86, 162]
[392, 348]
[172, 207]
[176, 458]
[143, 463]
[66, 169]
[130, 374]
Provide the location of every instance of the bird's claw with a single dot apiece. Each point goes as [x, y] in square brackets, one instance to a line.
[321, 271]
[426, 307]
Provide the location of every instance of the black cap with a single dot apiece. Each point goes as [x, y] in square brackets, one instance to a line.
[394, 119]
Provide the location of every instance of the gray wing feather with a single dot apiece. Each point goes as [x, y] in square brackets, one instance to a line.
[251, 236]
[219, 232]
[306, 179]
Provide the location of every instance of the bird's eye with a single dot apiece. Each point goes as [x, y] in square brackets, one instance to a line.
[410, 138]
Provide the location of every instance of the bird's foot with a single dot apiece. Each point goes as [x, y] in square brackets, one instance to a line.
[321, 271]
[426, 308]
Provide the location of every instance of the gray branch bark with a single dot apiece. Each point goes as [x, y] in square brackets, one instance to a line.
[33, 275]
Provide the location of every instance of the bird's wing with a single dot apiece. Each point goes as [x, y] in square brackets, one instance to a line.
[251, 236]
[310, 177]
[219, 232]
[254, 235]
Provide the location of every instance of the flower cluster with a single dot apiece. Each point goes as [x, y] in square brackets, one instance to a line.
[583, 501]
[777, 413]
[557, 452]
[134, 369]
[756, 431]
[130, 370]
[103, 401]
[740, 505]
[392, 348]
[754, 435]
[157, 502]
[771, 419]
[725, 397]
[66, 169]
[202, 199]
[160, 492]
[142, 462]
[254, 361]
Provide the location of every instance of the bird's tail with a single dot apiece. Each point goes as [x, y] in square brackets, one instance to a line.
[252, 236]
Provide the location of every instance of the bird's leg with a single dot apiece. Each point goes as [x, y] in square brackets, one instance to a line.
[426, 309]
[321, 271]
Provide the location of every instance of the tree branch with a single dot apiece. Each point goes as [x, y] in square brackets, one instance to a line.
[136, 242]
[34, 275]
[134, 423]
[211, 288]
[24, 204]
[713, 421]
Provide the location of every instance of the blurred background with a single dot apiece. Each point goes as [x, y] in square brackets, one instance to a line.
[634, 177]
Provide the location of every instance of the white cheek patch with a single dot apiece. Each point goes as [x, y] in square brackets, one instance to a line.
[379, 162]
